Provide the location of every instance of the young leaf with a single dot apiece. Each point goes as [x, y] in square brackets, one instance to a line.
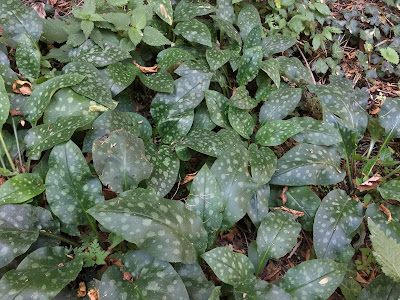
[217, 105]
[154, 278]
[389, 117]
[206, 142]
[308, 165]
[27, 56]
[185, 10]
[4, 103]
[249, 65]
[120, 161]
[314, 279]
[230, 267]
[335, 221]
[277, 132]
[276, 43]
[263, 164]
[194, 31]
[381, 288]
[163, 8]
[41, 96]
[280, 103]
[271, 67]
[71, 188]
[390, 55]
[258, 206]
[241, 121]
[41, 275]
[248, 18]
[197, 286]
[18, 230]
[161, 81]
[163, 228]
[216, 57]
[153, 37]
[21, 188]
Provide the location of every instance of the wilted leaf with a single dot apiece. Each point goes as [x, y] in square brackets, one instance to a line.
[22, 87]
[21, 188]
[371, 183]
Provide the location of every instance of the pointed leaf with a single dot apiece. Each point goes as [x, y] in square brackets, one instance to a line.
[241, 121]
[258, 205]
[194, 31]
[202, 119]
[163, 228]
[277, 132]
[4, 103]
[153, 37]
[197, 286]
[161, 81]
[28, 57]
[119, 77]
[227, 27]
[271, 67]
[390, 190]
[389, 117]
[21, 188]
[241, 99]
[225, 11]
[249, 65]
[163, 8]
[316, 132]
[391, 229]
[172, 56]
[381, 288]
[294, 70]
[217, 105]
[206, 142]
[186, 10]
[253, 39]
[248, 18]
[216, 57]
[276, 43]
[263, 164]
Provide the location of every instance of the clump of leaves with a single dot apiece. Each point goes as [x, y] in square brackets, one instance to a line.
[91, 252]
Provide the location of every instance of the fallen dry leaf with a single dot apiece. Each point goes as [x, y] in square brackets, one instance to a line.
[2, 180]
[188, 178]
[1, 30]
[283, 196]
[116, 262]
[127, 276]
[296, 213]
[14, 113]
[371, 183]
[52, 2]
[81, 290]
[386, 211]
[360, 279]
[22, 87]
[152, 69]
[323, 281]
[93, 294]
[39, 7]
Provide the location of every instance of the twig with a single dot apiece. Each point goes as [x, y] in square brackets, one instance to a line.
[308, 66]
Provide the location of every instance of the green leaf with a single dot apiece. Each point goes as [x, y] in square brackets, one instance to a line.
[9, 77]
[163, 8]
[54, 30]
[237, 187]
[314, 279]
[271, 67]
[119, 77]
[316, 132]
[308, 165]
[4, 103]
[152, 279]
[256, 289]
[263, 164]
[294, 70]
[389, 118]
[202, 119]
[145, 129]
[205, 200]
[19, 229]
[120, 161]
[241, 121]
[206, 142]
[135, 35]
[99, 57]
[349, 287]
[248, 18]
[217, 105]
[117, 2]
[216, 57]
[21, 188]
[121, 21]
[322, 8]
[390, 190]
[225, 11]
[277, 132]
[391, 229]
[87, 27]
[185, 10]
[249, 65]
[227, 28]
[153, 37]
[41, 96]
[165, 168]
[241, 99]
[161, 81]
[337, 51]
[138, 18]
[93, 86]
[276, 43]
[71, 188]
[41, 275]
[163, 228]
[17, 20]
[335, 221]
[390, 55]
[302, 198]
[386, 251]
[46, 136]
[28, 56]
[194, 31]
[253, 39]
[258, 205]
[230, 267]
[280, 103]
[381, 288]
[172, 56]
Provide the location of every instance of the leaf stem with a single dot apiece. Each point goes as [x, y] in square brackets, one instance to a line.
[7, 153]
[96, 232]
[58, 237]
[17, 142]
[2, 163]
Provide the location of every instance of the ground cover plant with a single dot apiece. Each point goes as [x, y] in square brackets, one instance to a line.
[199, 150]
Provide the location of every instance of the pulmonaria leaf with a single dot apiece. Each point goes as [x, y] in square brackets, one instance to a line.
[241, 99]
[93, 86]
[153, 37]
[165, 168]
[249, 65]
[248, 18]
[17, 20]
[277, 132]
[381, 288]
[314, 279]
[71, 188]
[258, 205]
[163, 9]
[316, 132]
[18, 231]
[41, 275]
[27, 56]
[41, 96]
[46, 136]
[380, 219]
[216, 57]
[227, 28]
[308, 165]
[217, 105]
[335, 221]
[161, 81]
[294, 70]
[271, 67]
[145, 129]
[202, 119]
[185, 10]
[141, 276]
[21, 188]
[225, 11]
[389, 117]
[260, 290]
[280, 103]
[161, 227]
[194, 31]
[276, 43]
[4, 103]
[171, 56]
[9, 77]
[230, 267]
[390, 190]
[206, 142]
[119, 77]
[263, 164]
[98, 56]
[241, 121]
[120, 161]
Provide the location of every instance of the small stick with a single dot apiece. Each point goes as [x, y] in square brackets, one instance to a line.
[308, 66]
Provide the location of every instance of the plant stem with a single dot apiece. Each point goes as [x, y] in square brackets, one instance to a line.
[17, 142]
[93, 226]
[349, 172]
[58, 237]
[7, 153]
[2, 163]
[390, 174]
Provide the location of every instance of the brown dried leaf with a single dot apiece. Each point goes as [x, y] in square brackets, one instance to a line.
[296, 213]
[14, 113]
[360, 279]
[127, 276]
[22, 87]
[52, 2]
[1, 30]
[39, 7]
[323, 281]
[2, 180]
[153, 69]
[386, 211]
[283, 196]
[188, 178]
[81, 290]
[93, 294]
[116, 262]
[371, 183]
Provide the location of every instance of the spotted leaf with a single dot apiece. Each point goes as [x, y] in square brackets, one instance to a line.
[28, 56]
[46, 136]
[185, 10]
[277, 132]
[241, 99]
[390, 190]
[308, 165]
[335, 221]
[41, 96]
[4, 103]
[163, 228]
[314, 279]
[120, 161]
[256, 289]
[206, 142]
[9, 77]
[21, 188]
[202, 119]
[194, 31]
[41, 275]
[153, 37]
[150, 278]
[217, 105]
[391, 229]
[227, 28]
[271, 67]
[389, 117]
[161, 81]
[316, 132]
[163, 8]
[172, 56]
[294, 70]
[216, 58]
[248, 18]
[263, 164]
[276, 43]
[381, 288]
[119, 77]
[241, 121]
[249, 65]
[225, 11]
[258, 205]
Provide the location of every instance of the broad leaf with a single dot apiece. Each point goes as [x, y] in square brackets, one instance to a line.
[216, 57]
[337, 218]
[381, 288]
[153, 37]
[248, 18]
[45, 136]
[294, 70]
[163, 228]
[276, 43]
[161, 81]
[280, 103]
[202, 119]
[263, 164]
[120, 161]
[197, 286]
[119, 77]
[206, 142]
[390, 190]
[185, 10]
[226, 27]
[27, 56]
[253, 39]
[217, 105]
[145, 129]
[258, 205]
[225, 11]
[241, 99]
[389, 117]
[41, 275]
[21, 188]
[172, 56]
[316, 132]
[271, 67]
[4, 103]
[194, 31]
[249, 65]
[314, 279]
[41, 96]
[71, 188]
[241, 121]
[308, 165]
[256, 289]
[390, 55]
[380, 219]
[151, 279]
[163, 8]
[277, 132]
[9, 77]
